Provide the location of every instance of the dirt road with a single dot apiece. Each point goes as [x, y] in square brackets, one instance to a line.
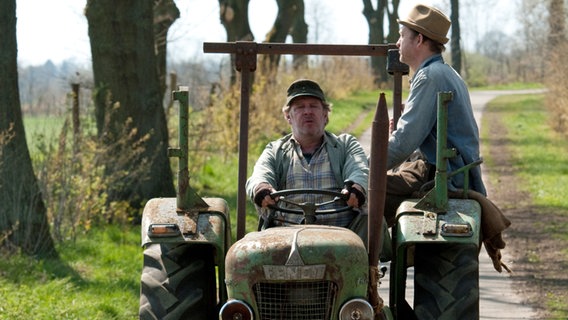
[500, 297]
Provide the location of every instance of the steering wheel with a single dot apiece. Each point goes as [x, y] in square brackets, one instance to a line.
[308, 209]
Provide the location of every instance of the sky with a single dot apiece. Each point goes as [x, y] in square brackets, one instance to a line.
[57, 30]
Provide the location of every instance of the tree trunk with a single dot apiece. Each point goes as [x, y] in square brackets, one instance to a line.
[23, 218]
[375, 20]
[125, 71]
[289, 21]
[456, 46]
[556, 24]
[234, 17]
[165, 14]
[393, 35]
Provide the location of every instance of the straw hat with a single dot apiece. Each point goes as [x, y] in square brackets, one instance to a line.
[428, 21]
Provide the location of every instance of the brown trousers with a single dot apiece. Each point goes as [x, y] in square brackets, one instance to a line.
[404, 181]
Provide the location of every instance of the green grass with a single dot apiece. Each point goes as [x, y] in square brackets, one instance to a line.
[95, 278]
[42, 132]
[354, 114]
[539, 153]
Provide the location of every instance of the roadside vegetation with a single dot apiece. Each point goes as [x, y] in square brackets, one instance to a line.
[537, 155]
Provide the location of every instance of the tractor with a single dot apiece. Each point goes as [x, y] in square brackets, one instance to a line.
[192, 270]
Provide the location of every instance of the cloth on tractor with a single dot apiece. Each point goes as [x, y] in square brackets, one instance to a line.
[493, 223]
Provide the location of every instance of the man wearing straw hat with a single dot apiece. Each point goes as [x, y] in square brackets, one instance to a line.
[412, 145]
[421, 43]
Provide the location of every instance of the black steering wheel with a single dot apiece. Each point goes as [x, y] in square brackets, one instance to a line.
[308, 209]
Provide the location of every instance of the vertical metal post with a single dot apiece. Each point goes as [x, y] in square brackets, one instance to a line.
[245, 63]
[182, 96]
[186, 197]
[377, 188]
[436, 200]
[397, 69]
[442, 152]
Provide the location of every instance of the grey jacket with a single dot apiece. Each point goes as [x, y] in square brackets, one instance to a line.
[416, 128]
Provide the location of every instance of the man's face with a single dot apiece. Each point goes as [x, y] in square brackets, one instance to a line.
[406, 44]
[307, 116]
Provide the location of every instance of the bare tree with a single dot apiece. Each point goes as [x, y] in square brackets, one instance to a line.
[376, 20]
[234, 17]
[529, 63]
[555, 80]
[126, 78]
[23, 217]
[165, 14]
[289, 21]
[392, 15]
[456, 36]
[556, 23]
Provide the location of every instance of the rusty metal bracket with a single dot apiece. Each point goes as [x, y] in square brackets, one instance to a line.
[245, 56]
[429, 224]
[397, 69]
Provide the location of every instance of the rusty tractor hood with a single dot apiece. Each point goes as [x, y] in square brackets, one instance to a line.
[298, 253]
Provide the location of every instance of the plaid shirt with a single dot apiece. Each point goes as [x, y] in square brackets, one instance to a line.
[343, 154]
[314, 174]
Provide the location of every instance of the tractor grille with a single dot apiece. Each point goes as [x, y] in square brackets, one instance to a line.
[295, 300]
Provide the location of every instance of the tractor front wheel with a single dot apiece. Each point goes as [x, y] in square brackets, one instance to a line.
[446, 281]
[178, 282]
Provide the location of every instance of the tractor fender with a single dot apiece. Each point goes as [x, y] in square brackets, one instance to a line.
[163, 223]
[460, 224]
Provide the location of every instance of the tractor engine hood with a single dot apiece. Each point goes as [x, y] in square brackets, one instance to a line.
[305, 253]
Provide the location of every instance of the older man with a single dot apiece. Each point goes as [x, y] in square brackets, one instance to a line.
[311, 157]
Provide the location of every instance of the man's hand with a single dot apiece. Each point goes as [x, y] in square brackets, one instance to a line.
[356, 194]
[262, 195]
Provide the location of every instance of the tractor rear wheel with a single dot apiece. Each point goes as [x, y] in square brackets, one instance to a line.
[178, 282]
[446, 282]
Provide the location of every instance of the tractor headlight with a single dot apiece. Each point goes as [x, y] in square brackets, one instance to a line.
[356, 309]
[235, 310]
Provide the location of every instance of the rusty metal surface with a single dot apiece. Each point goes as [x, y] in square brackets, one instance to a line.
[324, 253]
[397, 69]
[299, 48]
[201, 225]
[378, 178]
[460, 212]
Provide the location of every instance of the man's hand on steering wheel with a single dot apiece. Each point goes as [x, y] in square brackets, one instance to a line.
[262, 196]
[356, 194]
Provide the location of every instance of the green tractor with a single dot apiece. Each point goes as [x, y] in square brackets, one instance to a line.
[191, 270]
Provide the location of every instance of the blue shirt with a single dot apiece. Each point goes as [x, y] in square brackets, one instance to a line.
[416, 128]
